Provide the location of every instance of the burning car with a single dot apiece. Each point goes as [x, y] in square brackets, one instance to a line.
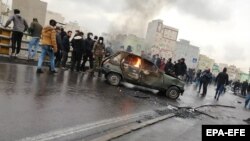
[124, 66]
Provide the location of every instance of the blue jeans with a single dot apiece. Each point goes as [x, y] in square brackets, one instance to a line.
[47, 50]
[219, 90]
[33, 42]
[247, 100]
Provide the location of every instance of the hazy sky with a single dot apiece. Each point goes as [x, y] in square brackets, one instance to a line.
[221, 28]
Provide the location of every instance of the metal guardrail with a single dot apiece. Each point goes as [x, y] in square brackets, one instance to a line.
[26, 42]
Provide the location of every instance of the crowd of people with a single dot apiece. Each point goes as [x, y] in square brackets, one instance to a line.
[56, 43]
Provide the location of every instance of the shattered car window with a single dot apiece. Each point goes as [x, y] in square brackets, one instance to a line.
[117, 59]
[149, 66]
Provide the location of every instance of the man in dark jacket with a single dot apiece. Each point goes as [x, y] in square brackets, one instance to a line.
[183, 68]
[78, 49]
[222, 80]
[158, 62]
[58, 54]
[88, 55]
[205, 79]
[244, 88]
[66, 48]
[247, 97]
[35, 31]
[20, 26]
[169, 67]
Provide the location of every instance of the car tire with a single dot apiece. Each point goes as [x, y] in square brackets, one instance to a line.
[114, 79]
[173, 93]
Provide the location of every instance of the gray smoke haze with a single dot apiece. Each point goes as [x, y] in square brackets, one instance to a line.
[137, 13]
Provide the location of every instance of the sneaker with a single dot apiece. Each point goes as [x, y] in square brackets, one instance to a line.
[53, 72]
[64, 68]
[39, 71]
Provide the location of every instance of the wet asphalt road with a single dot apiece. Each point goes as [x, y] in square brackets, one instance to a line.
[32, 104]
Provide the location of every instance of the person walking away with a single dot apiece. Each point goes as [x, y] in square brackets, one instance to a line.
[206, 78]
[58, 54]
[98, 51]
[49, 46]
[78, 49]
[35, 31]
[197, 78]
[66, 49]
[244, 88]
[247, 102]
[222, 80]
[87, 54]
[20, 26]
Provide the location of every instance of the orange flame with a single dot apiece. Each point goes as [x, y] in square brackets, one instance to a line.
[138, 63]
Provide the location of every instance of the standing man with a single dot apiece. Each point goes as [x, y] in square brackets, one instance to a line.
[66, 48]
[169, 67]
[247, 97]
[222, 80]
[49, 46]
[244, 88]
[78, 49]
[35, 31]
[205, 79]
[20, 26]
[87, 54]
[98, 51]
[183, 68]
[58, 54]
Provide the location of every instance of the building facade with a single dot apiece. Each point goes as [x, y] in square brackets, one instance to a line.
[31, 9]
[161, 39]
[4, 12]
[54, 15]
[185, 50]
[205, 63]
[232, 72]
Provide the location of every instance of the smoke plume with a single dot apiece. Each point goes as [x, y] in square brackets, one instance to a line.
[136, 15]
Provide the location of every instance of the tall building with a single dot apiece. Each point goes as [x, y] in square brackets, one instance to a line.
[185, 50]
[31, 9]
[4, 12]
[161, 39]
[54, 15]
[205, 63]
[232, 72]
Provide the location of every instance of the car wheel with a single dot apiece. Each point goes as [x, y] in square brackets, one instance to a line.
[173, 93]
[114, 79]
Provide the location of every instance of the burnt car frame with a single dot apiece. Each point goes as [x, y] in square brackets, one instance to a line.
[128, 67]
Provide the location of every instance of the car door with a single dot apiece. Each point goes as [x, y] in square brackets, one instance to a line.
[130, 66]
[150, 75]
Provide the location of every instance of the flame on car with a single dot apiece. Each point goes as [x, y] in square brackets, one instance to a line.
[138, 63]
